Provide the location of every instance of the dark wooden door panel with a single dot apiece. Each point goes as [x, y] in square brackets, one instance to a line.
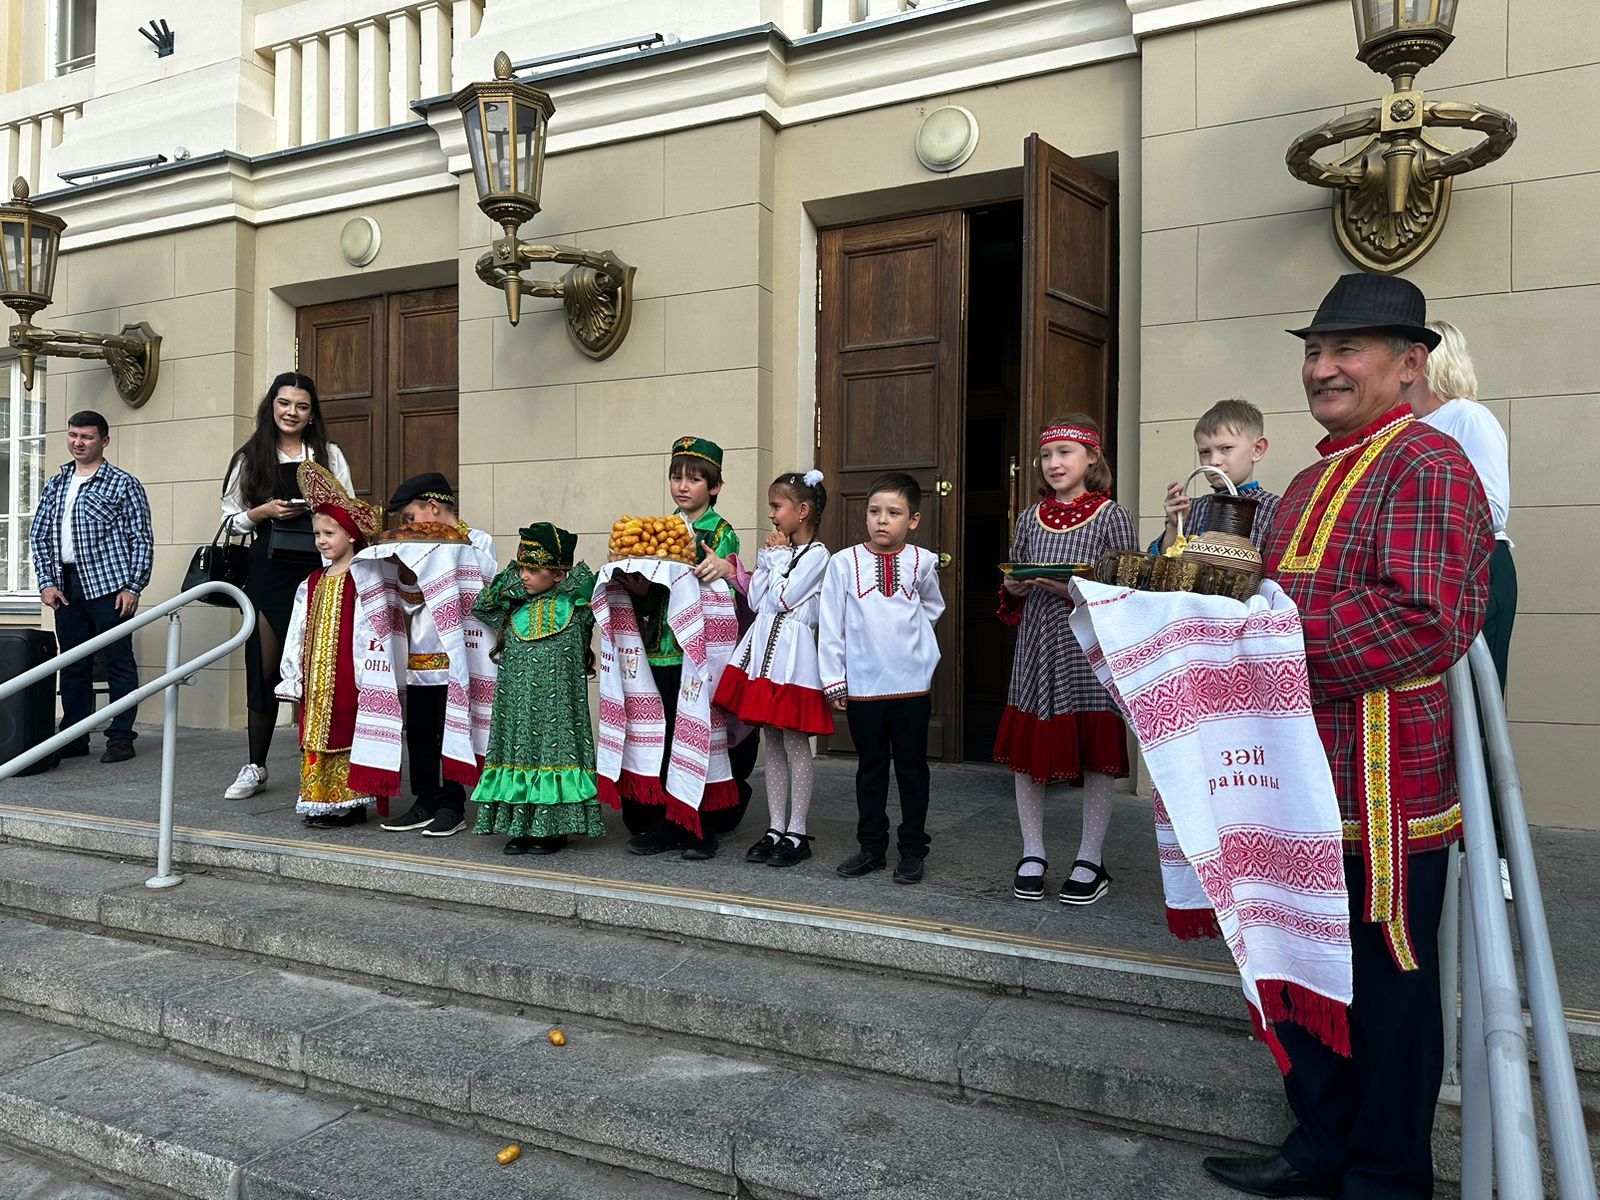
[889, 386]
[385, 369]
[1069, 299]
[423, 429]
[342, 348]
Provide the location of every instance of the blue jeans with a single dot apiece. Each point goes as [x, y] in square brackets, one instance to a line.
[76, 622]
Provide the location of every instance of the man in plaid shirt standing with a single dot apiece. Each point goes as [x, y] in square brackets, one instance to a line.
[1384, 545]
[92, 550]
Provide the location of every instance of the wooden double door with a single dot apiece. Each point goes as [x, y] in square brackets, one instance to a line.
[892, 386]
[386, 369]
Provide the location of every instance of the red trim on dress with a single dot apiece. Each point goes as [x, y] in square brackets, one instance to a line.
[1063, 747]
[1060, 516]
[781, 705]
[1010, 610]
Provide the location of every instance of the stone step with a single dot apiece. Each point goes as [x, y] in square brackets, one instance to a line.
[1125, 1069]
[939, 946]
[169, 1127]
[23, 1177]
[744, 1130]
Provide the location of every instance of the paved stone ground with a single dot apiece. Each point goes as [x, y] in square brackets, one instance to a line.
[972, 821]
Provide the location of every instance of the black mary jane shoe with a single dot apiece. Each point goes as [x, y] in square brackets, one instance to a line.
[548, 845]
[1270, 1175]
[794, 848]
[1073, 892]
[520, 845]
[762, 851]
[1029, 887]
[339, 820]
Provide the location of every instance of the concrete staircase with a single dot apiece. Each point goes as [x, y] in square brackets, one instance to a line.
[346, 1024]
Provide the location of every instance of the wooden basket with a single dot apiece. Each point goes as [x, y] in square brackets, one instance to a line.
[1209, 565]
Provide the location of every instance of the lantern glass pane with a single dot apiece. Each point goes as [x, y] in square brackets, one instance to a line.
[1447, 14]
[44, 261]
[1382, 17]
[528, 139]
[497, 144]
[13, 254]
[472, 117]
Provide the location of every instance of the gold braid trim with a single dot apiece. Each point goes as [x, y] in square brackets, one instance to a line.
[1295, 563]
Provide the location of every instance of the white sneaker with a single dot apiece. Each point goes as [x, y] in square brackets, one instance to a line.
[251, 780]
[1505, 878]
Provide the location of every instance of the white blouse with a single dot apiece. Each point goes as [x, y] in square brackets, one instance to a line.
[1483, 441]
[234, 509]
[788, 579]
[875, 636]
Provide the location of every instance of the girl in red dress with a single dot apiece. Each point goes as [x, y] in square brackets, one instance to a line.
[1060, 724]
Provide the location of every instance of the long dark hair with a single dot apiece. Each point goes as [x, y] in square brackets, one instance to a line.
[257, 459]
[793, 485]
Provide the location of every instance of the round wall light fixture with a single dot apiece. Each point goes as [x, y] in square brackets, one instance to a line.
[359, 241]
[946, 138]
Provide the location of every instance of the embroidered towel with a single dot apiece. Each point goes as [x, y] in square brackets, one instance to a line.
[450, 576]
[1216, 692]
[632, 720]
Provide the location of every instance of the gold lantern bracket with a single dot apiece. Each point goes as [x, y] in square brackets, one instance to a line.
[134, 355]
[1393, 191]
[596, 294]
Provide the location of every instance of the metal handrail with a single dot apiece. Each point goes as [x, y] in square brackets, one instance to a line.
[175, 675]
[1498, 1130]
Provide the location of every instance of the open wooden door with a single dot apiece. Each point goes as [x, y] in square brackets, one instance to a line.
[889, 395]
[1069, 302]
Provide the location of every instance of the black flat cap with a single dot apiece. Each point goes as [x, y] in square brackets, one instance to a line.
[430, 486]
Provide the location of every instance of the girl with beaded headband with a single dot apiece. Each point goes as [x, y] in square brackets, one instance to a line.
[1060, 724]
[322, 653]
[773, 680]
[538, 785]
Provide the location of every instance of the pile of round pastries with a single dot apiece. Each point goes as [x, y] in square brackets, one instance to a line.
[652, 537]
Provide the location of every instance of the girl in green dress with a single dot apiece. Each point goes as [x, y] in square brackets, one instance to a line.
[538, 784]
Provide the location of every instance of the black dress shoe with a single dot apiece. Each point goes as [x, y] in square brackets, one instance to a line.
[118, 752]
[908, 870]
[74, 750]
[1269, 1175]
[860, 864]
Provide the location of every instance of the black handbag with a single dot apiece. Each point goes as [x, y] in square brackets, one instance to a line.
[223, 561]
[293, 540]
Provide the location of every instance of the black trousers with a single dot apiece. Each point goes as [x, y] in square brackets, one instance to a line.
[896, 731]
[76, 622]
[434, 793]
[1497, 623]
[741, 760]
[1364, 1122]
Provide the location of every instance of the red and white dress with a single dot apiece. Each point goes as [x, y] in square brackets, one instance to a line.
[1059, 719]
[773, 678]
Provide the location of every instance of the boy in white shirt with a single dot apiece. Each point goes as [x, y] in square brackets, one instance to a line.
[877, 652]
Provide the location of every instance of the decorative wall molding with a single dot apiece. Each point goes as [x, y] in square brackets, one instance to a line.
[1164, 16]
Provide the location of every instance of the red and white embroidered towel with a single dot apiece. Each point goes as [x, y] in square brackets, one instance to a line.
[1217, 694]
[632, 720]
[450, 576]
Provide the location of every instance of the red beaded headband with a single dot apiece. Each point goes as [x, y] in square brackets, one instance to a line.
[1070, 433]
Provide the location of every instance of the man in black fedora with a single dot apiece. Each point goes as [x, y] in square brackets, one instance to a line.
[1383, 544]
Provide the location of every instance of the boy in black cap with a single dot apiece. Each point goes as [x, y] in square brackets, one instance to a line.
[440, 805]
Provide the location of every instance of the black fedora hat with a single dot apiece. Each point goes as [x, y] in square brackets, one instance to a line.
[1380, 303]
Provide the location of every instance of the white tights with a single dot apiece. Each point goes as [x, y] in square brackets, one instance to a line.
[788, 779]
[1097, 791]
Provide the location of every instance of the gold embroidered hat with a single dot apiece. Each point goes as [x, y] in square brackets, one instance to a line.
[698, 447]
[326, 495]
[545, 545]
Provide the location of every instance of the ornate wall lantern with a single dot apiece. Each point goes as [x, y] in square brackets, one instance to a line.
[29, 242]
[1393, 192]
[506, 124]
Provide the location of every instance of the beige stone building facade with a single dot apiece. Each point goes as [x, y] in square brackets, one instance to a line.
[736, 159]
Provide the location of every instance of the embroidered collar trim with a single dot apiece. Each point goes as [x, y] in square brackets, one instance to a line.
[1331, 447]
[1060, 517]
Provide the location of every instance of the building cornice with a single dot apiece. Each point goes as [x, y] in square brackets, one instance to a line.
[283, 186]
[1165, 16]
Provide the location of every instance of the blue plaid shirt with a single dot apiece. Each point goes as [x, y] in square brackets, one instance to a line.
[112, 543]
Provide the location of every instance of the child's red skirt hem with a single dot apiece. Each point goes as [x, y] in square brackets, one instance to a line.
[780, 705]
[1061, 748]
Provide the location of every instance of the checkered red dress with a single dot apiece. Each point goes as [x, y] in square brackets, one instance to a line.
[1384, 546]
[1059, 720]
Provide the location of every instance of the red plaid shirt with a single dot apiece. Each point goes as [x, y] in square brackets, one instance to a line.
[1384, 546]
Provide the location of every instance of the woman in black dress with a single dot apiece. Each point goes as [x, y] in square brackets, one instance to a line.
[261, 496]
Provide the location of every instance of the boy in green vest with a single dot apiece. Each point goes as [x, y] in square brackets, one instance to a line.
[695, 477]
